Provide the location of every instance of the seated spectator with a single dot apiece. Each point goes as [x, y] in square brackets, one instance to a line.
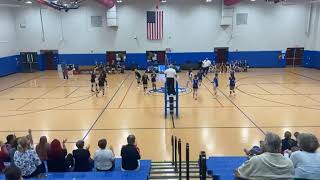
[13, 173]
[27, 160]
[10, 140]
[307, 161]
[42, 151]
[4, 154]
[104, 157]
[269, 165]
[130, 154]
[287, 142]
[42, 148]
[255, 150]
[296, 134]
[13, 149]
[57, 156]
[83, 163]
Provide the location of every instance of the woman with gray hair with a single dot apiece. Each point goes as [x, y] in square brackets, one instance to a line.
[307, 161]
[269, 165]
[27, 159]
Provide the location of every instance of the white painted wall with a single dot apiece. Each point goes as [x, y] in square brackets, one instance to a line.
[7, 32]
[313, 38]
[189, 26]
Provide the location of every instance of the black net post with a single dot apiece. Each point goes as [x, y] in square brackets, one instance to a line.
[172, 147]
[180, 163]
[175, 154]
[187, 161]
[203, 165]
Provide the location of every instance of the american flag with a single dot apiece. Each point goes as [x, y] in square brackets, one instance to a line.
[154, 25]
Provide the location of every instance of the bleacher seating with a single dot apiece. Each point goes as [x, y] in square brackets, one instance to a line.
[224, 166]
[116, 174]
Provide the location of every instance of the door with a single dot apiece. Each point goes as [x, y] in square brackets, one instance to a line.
[49, 59]
[111, 57]
[221, 55]
[294, 56]
[161, 57]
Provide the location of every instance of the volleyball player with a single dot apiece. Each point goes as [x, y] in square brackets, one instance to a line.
[154, 80]
[215, 83]
[138, 76]
[195, 85]
[145, 80]
[190, 76]
[93, 81]
[232, 83]
[102, 79]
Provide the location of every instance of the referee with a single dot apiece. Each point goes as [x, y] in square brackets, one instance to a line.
[171, 74]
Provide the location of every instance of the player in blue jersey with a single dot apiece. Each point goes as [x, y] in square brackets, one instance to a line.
[195, 85]
[215, 83]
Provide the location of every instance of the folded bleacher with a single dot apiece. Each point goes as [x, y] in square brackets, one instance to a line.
[224, 167]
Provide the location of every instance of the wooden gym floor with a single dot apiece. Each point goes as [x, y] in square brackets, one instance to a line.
[266, 100]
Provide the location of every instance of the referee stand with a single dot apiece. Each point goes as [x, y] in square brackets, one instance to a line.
[171, 101]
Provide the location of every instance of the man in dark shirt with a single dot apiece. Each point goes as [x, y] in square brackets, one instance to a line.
[81, 156]
[287, 142]
[130, 154]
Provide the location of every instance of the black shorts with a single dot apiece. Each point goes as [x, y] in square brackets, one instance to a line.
[195, 87]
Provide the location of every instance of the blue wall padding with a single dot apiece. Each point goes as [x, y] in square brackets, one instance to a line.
[259, 59]
[311, 59]
[8, 65]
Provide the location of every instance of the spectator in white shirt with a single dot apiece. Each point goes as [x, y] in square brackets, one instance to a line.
[104, 157]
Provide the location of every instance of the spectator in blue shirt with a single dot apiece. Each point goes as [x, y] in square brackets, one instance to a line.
[307, 161]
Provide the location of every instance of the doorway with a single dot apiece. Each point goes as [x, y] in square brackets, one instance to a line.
[221, 54]
[50, 59]
[294, 56]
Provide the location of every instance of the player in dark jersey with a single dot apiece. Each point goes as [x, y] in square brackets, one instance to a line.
[93, 82]
[195, 86]
[200, 76]
[154, 80]
[145, 80]
[215, 83]
[232, 83]
[101, 82]
[138, 76]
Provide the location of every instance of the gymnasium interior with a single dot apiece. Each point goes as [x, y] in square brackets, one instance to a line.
[49, 50]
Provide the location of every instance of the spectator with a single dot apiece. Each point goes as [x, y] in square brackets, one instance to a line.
[104, 157]
[4, 154]
[56, 156]
[269, 165]
[255, 150]
[287, 142]
[307, 161]
[27, 160]
[83, 163]
[42, 148]
[10, 140]
[130, 154]
[13, 149]
[13, 173]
